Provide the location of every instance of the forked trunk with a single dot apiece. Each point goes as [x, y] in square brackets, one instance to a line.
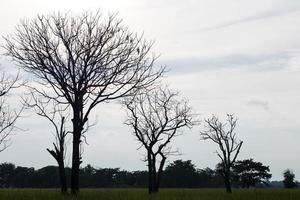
[154, 175]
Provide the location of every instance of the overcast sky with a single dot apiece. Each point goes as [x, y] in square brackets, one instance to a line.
[234, 56]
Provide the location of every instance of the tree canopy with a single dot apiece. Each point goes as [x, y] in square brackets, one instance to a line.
[288, 180]
[249, 173]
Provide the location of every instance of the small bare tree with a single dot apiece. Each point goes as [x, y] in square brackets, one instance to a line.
[55, 115]
[157, 117]
[8, 116]
[227, 142]
[85, 60]
[59, 153]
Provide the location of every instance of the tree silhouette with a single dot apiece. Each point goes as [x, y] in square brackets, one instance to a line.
[81, 61]
[229, 145]
[250, 173]
[6, 174]
[181, 174]
[288, 180]
[156, 117]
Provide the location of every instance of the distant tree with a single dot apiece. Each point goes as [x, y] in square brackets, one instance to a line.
[6, 174]
[106, 177]
[156, 117]
[141, 178]
[82, 61]
[124, 179]
[87, 176]
[209, 178]
[47, 177]
[288, 180]
[229, 145]
[24, 177]
[180, 174]
[249, 173]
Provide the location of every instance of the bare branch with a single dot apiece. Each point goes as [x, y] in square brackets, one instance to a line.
[8, 116]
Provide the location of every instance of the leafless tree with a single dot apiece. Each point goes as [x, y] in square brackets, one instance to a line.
[157, 117]
[229, 145]
[59, 153]
[8, 116]
[55, 115]
[85, 59]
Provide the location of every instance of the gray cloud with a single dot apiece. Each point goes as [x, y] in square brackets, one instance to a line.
[259, 103]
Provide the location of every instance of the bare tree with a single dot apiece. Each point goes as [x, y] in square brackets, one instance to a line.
[85, 60]
[8, 116]
[157, 117]
[229, 145]
[59, 153]
[55, 115]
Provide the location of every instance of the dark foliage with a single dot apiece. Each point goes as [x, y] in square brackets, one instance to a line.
[6, 173]
[248, 173]
[179, 174]
[288, 180]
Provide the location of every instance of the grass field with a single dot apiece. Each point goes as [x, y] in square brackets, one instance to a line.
[141, 194]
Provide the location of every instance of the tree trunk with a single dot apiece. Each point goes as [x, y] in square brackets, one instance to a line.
[149, 179]
[248, 185]
[63, 179]
[156, 184]
[153, 185]
[61, 168]
[150, 173]
[75, 165]
[228, 186]
[76, 160]
[159, 173]
[227, 182]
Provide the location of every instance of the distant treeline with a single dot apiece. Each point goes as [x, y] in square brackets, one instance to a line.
[181, 174]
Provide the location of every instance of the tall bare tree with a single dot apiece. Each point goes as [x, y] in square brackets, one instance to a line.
[85, 59]
[157, 117]
[229, 145]
[56, 115]
[8, 116]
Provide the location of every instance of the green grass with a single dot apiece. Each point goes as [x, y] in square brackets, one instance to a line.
[141, 194]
